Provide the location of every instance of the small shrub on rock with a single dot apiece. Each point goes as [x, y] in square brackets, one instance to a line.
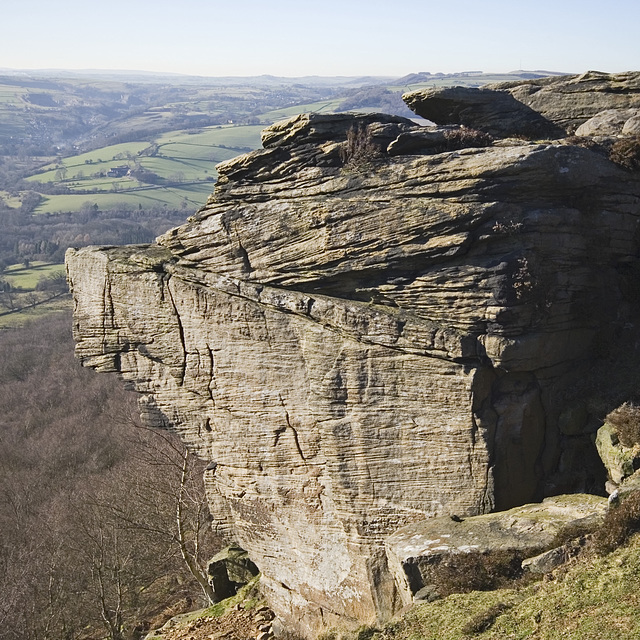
[464, 137]
[626, 421]
[359, 148]
[620, 523]
[464, 572]
[626, 153]
[583, 141]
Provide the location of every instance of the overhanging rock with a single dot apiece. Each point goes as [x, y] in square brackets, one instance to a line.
[362, 343]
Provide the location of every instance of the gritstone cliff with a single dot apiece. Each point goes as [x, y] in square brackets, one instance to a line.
[372, 322]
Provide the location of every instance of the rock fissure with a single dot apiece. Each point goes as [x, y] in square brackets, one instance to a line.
[293, 430]
[167, 288]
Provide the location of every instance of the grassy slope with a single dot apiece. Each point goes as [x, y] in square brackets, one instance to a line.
[325, 106]
[19, 319]
[597, 598]
[27, 278]
[189, 196]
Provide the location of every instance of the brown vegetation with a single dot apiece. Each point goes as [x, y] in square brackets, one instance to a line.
[620, 523]
[474, 571]
[465, 137]
[626, 153]
[359, 148]
[89, 545]
[626, 421]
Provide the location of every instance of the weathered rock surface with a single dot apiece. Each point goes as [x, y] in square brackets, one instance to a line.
[527, 530]
[360, 346]
[547, 561]
[538, 108]
[612, 122]
[620, 462]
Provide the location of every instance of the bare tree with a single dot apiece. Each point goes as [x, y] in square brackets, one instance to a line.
[98, 515]
[169, 500]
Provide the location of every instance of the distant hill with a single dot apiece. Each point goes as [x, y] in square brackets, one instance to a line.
[179, 79]
[64, 132]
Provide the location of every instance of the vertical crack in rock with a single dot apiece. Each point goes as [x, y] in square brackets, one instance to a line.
[167, 286]
[293, 429]
[107, 314]
[211, 384]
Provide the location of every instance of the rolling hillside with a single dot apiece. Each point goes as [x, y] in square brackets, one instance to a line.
[68, 138]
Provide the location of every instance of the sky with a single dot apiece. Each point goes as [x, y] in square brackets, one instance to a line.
[321, 37]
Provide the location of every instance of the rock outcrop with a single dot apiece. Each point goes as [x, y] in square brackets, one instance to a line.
[414, 551]
[358, 341]
[618, 444]
[538, 108]
[230, 569]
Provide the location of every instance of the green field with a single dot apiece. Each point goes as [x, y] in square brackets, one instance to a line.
[21, 277]
[19, 318]
[10, 200]
[112, 155]
[24, 302]
[234, 137]
[183, 161]
[187, 196]
[324, 106]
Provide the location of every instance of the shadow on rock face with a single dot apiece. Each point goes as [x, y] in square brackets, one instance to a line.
[496, 112]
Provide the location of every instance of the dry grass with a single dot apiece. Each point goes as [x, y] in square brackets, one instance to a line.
[465, 137]
[626, 421]
[465, 572]
[626, 153]
[359, 149]
[621, 522]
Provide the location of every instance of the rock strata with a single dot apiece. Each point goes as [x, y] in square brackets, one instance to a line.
[358, 342]
[538, 108]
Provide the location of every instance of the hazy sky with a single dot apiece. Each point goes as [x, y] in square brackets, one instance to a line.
[322, 37]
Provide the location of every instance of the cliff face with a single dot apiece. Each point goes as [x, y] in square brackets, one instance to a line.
[360, 340]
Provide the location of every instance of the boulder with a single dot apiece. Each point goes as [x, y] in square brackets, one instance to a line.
[629, 484]
[229, 569]
[548, 560]
[414, 550]
[312, 128]
[632, 126]
[431, 140]
[619, 461]
[426, 138]
[494, 111]
[537, 108]
[612, 122]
